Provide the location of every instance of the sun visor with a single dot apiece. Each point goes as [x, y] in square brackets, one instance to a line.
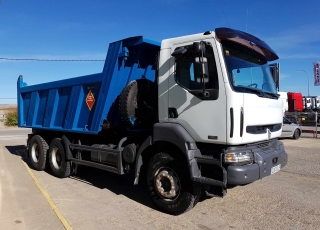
[247, 40]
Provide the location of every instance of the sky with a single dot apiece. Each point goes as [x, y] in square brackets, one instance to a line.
[60, 29]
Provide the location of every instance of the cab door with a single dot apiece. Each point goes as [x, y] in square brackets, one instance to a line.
[202, 115]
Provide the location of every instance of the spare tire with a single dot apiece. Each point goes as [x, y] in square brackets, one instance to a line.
[138, 104]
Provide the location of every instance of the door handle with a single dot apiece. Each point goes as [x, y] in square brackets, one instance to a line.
[173, 113]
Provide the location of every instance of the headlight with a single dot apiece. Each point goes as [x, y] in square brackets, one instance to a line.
[238, 157]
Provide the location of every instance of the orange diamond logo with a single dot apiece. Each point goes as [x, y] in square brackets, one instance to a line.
[90, 100]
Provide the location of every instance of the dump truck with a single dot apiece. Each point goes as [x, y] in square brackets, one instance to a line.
[193, 115]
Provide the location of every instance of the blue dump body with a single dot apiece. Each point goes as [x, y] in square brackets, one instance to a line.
[83, 104]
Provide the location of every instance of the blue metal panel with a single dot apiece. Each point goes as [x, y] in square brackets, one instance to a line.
[85, 119]
[63, 83]
[26, 105]
[20, 83]
[118, 72]
[77, 114]
[53, 105]
[61, 105]
[42, 108]
[35, 98]
[72, 107]
[49, 108]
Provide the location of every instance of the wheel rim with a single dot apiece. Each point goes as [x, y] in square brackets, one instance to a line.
[56, 157]
[167, 184]
[35, 152]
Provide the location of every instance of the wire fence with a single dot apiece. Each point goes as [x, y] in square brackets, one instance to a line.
[309, 122]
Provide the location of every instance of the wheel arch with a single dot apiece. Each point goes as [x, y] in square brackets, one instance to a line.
[300, 131]
[168, 136]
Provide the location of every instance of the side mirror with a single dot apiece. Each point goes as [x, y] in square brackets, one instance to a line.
[199, 48]
[203, 63]
[179, 52]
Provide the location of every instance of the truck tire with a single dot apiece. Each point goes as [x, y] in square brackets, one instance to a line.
[138, 104]
[38, 150]
[169, 184]
[57, 159]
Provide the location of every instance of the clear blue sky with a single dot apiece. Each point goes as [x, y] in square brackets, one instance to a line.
[83, 30]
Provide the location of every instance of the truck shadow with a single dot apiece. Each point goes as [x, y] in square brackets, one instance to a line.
[118, 184]
[16, 150]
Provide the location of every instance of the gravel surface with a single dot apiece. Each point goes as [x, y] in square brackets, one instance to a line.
[95, 199]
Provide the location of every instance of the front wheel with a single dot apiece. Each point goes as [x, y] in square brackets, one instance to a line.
[169, 184]
[296, 134]
[57, 159]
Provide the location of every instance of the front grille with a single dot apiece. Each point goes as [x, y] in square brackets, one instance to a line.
[258, 129]
[263, 145]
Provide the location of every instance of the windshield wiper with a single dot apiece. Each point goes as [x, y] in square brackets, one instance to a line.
[273, 95]
[260, 93]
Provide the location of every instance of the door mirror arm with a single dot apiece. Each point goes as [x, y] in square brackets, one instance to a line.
[199, 49]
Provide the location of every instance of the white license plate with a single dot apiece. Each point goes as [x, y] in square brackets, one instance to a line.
[275, 169]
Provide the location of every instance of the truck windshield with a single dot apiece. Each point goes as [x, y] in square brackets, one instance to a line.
[248, 70]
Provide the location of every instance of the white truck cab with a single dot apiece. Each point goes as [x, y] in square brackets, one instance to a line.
[238, 101]
[218, 104]
[307, 103]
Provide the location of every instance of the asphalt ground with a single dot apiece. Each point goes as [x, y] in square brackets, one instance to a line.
[95, 199]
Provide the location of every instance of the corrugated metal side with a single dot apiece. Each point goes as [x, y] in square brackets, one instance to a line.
[62, 106]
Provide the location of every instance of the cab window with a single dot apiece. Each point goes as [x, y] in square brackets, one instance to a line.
[187, 72]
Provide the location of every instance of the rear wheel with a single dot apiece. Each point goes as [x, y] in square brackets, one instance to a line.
[296, 134]
[38, 149]
[57, 159]
[169, 184]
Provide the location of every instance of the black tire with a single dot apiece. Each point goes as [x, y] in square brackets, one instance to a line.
[138, 104]
[169, 184]
[38, 150]
[57, 159]
[296, 134]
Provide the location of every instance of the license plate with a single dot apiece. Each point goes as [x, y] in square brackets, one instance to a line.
[275, 169]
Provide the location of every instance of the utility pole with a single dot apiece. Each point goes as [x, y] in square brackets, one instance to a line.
[301, 70]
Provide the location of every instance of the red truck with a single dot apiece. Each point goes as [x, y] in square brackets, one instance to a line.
[295, 102]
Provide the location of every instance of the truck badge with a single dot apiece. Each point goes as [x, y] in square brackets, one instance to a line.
[90, 100]
[269, 133]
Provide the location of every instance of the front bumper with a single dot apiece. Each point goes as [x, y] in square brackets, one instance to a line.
[266, 156]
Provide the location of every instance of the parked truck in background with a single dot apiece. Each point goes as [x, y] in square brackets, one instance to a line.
[312, 103]
[307, 103]
[283, 96]
[196, 112]
[295, 102]
[303, 110]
